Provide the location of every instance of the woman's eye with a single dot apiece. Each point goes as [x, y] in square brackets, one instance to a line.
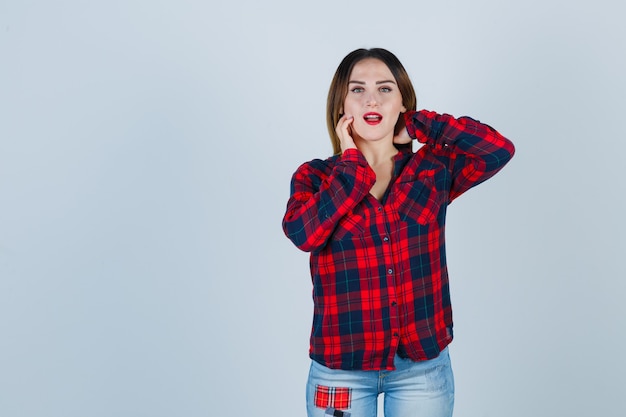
[357, 90]
[385, 89]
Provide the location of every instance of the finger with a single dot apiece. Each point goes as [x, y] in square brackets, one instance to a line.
[344, 133]
[343, 125]
[339, 127]
[349, 126]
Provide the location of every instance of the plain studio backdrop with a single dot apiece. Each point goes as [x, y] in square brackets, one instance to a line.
[146, 149]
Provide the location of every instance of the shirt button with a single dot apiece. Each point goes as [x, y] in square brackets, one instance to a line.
[395, 334]
[386, 239]
[380, 208]
[393, 304]
[390, 271]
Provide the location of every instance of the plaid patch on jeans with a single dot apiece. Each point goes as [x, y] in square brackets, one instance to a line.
[339, 398]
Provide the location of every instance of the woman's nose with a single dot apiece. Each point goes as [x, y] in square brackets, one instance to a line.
[371, 100]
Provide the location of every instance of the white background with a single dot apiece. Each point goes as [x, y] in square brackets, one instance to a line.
[146, 149]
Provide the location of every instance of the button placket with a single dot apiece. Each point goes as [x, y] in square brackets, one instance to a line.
[386, 218]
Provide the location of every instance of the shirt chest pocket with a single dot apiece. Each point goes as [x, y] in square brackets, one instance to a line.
[419, 201]
[350, 225]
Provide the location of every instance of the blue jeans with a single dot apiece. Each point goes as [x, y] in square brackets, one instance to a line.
[413, 389]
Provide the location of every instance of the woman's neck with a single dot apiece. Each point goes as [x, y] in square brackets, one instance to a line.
[378, 152]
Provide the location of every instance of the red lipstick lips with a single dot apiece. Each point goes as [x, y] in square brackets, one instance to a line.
[372, 118]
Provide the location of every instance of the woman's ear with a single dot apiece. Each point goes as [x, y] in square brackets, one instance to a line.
[403, 109]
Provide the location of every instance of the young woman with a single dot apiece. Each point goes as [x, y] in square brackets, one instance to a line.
[372, 216]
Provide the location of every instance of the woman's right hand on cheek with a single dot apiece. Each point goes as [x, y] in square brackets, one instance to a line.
[343, 131]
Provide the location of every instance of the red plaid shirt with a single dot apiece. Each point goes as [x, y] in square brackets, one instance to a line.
[380, 281]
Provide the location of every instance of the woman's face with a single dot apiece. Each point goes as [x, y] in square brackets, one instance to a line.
[374, 101]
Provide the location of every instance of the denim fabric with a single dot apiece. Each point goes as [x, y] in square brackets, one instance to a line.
[413, 389]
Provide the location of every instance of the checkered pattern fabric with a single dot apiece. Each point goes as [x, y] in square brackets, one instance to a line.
[330, 397]
[380, 280]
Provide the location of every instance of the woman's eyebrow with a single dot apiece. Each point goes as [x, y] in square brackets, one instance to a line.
[377, 82]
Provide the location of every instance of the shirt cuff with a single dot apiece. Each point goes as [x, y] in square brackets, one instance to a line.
[412, 123]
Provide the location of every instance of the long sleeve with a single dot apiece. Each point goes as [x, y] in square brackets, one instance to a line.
[477, 150]
[321, 194]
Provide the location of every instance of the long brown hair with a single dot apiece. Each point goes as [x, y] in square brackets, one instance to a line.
[339, 88]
